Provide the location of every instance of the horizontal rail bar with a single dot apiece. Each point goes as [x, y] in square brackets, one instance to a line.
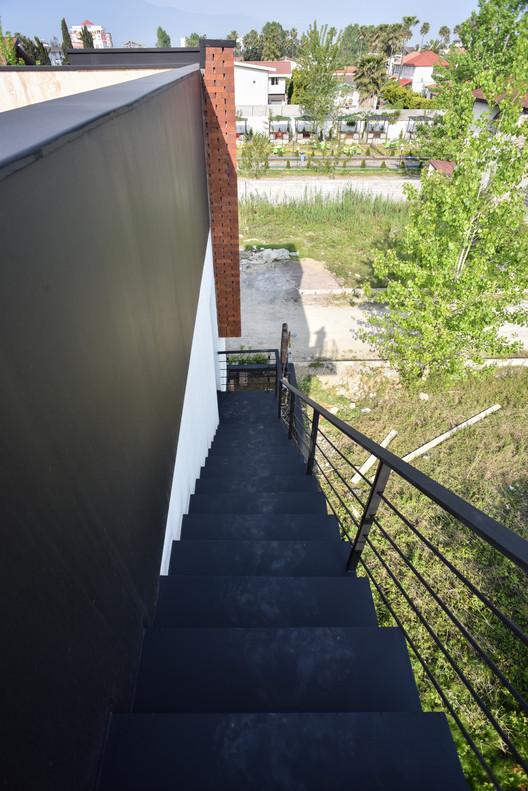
[494, 533]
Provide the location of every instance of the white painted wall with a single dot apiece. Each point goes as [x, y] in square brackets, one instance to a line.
[423, 76]
[199, 419]
[251, 85]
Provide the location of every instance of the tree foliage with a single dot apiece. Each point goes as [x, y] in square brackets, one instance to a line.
[370, 75]
[254, 157]
[66, 41]
[402, 98]
[163, 38]
[273, 41]
[193, 40]
[459, 271]
[42, 53]
[252, 46]
[320, 92]
[86, 38]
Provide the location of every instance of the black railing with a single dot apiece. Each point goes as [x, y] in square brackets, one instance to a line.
[452, 578]
[250, 369]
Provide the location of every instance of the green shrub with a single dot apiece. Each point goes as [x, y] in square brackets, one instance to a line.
[383, 165]
[367, 152]
[288, 164]
[309, 163]
[363, 164]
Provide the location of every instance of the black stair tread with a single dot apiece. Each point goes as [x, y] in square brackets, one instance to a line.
[260, 558]
[257, 455]
[265, 601]
[280, 503]
[250, 484]
[260, 527]
[268, 440]
[400, 751]
[257, 467]
[275, 670]
[255, 428]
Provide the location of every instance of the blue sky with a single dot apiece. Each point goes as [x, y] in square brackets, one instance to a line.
[138, 20]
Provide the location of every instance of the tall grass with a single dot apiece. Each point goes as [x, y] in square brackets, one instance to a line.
[344, 231]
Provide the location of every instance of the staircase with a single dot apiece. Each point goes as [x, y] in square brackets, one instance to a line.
[265, 668]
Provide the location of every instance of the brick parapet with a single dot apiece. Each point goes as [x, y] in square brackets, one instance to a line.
[220, 140]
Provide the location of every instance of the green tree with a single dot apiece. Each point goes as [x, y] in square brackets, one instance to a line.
[292, 43]
[445, 35]
[321, 91]
[434, 45]
[424, 30]
[350, 46]
[193, 40]
[273, 41]
[406, 29]
[66, 41]
[86, 38]
[42, 53]
[252, 46]
[255, 153]
[395, 95]
[370, 75]
[7, 47]
[459, 270]
[163, 39]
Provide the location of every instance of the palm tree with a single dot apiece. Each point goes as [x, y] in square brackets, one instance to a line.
[370, 75]
[456, 34]
[424, 30]
[408, 23]
[435, 45]
[445, 35]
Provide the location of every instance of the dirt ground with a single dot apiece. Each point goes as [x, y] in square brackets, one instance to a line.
[302, 293]
[323, 322]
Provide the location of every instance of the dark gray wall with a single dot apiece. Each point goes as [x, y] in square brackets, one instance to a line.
[103, 237]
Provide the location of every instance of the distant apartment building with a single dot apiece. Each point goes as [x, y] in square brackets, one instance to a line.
[101, 39]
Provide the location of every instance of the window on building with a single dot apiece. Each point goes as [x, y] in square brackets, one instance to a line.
[274, 80]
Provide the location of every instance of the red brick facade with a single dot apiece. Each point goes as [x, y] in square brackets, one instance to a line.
[220, 141]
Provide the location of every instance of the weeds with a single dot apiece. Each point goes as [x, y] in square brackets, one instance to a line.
[343, 231]
[486, 464]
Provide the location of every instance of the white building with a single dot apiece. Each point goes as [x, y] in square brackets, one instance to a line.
[279, 72]
[251, 83]
[101, 38]
[417, 69]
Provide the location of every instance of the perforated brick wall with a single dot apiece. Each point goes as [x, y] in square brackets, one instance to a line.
[220, 141]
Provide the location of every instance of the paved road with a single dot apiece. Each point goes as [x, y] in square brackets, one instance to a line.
[281, 189]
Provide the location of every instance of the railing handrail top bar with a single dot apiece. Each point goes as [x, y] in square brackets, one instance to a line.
[246, 351]
[495, 533]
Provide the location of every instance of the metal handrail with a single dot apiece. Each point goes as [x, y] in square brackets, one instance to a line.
[325, 459]
[494, 533]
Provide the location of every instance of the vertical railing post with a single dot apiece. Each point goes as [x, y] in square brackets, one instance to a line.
[369, 514]
[291, 415]
[313, 443]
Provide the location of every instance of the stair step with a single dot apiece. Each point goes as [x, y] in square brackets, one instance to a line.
[250, 484]
[260, 527]
[265, 601]
[260, 558]
[229, 466]
[275, 444]
[258, 428]
[258, 455]
[400, 751]
[275, 670]
[280, 503]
